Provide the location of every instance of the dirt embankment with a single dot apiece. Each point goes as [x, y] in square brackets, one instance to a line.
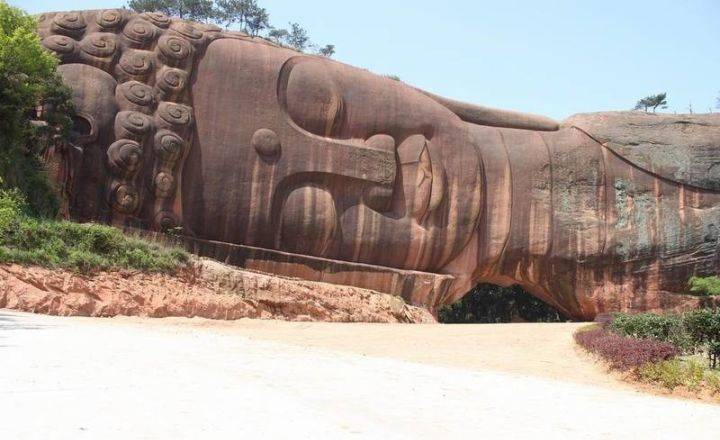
[204, 289]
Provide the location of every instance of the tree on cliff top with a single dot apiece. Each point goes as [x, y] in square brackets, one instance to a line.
[259, 21]
[198, 10]
[248, 15]
[327, 51]
[298, 37]
[278, 35]
[652, 102]
[164, 6]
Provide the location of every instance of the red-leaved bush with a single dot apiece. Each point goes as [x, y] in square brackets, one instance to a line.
[625, 353]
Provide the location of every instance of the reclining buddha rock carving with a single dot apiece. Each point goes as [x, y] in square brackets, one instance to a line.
[240, 141]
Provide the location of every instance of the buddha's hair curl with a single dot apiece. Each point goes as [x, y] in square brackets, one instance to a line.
[152, 57]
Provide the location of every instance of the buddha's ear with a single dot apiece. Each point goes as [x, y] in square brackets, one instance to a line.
[477, 114]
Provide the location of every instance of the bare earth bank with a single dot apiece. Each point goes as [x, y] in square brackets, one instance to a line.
[205, 288]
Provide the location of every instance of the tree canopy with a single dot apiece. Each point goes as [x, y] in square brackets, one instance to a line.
[652, 102]
[198, 10]
[245, 15]
[297, 37]
[27, 70]
[29, 88]
[327, 51]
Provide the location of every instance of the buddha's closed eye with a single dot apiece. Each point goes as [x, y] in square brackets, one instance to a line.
[311, 98]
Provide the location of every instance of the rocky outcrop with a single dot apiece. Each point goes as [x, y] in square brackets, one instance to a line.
[204, 289]
[679, 148]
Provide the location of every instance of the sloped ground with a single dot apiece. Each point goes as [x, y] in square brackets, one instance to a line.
[73, 378]
[205, 288]
[543, 350]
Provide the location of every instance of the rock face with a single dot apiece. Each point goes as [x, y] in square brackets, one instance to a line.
[205, 289]
[677, 148]
[317, 169]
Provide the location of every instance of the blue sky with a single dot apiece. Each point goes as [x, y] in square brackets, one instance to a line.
[553, 57]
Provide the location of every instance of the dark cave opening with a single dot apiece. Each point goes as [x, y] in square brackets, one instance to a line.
[491, 304]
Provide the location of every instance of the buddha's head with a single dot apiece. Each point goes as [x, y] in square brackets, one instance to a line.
[238, 140]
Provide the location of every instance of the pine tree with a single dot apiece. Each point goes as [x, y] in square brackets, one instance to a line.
[652, 102]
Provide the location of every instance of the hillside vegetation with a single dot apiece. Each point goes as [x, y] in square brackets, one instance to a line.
[29, 85]
[671, 350]
[44, 242]
[30, 89]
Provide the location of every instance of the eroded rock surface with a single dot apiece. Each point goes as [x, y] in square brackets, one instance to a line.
[205, 289]
[680, 148]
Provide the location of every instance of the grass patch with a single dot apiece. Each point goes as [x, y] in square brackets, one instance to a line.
[679, 372]
[588, 327]
[81, 247]
[712, 380]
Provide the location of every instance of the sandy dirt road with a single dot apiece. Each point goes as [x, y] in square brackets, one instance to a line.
[130, 378]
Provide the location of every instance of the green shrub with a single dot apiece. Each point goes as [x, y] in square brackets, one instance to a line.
[668, 327]
[705, 286]
[697, 331]
[24, 173]
[673, 373]
[713, 350]
[703, 325]
[12, 205]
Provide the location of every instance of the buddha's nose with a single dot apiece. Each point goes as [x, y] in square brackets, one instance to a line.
[423, 177]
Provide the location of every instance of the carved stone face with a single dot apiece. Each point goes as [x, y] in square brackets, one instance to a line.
[307, 155]
[249, 143]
